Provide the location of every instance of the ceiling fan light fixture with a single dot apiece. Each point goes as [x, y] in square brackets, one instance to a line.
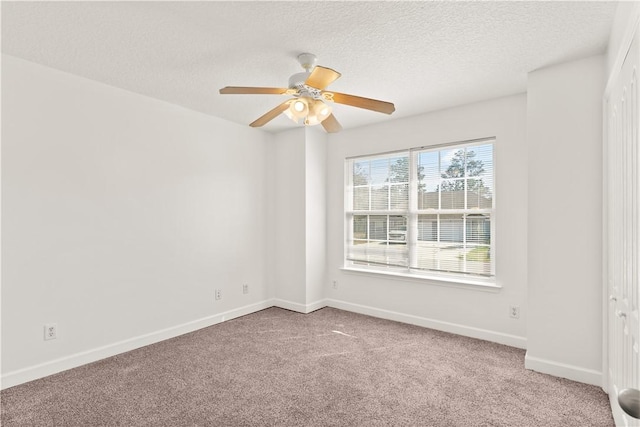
[324, 111]
[299, 106]
[298, 109]
[318, 111]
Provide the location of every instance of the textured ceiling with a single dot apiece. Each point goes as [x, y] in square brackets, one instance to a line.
[422, 56]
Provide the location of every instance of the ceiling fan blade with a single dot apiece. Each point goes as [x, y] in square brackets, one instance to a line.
[331, 125]
[270, 115]
[321, 77]
[360, 102]
[253, 90]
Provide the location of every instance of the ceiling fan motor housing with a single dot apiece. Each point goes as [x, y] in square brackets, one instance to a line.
[308, 62]
[297, 80]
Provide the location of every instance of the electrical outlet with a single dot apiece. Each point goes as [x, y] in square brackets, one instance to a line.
[335, 284]
[514, 311]
[218, 294]
[50, 331]
[245, 288]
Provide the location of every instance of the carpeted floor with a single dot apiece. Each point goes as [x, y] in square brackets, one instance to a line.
[327, 368]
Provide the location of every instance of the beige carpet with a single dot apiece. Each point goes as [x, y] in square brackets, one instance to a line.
[327, 368]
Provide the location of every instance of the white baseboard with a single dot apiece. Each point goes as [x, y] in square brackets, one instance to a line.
[562, 370]
[454, 328]
[300, 308]
[31, 373]
[21, 376]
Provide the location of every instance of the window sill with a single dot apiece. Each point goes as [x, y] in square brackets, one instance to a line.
[487, 285]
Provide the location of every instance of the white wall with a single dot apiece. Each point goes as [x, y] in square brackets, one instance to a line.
[564, 136]
[120, 215]
[466, 310]
[316, 208]
[289, 240]
[300, 219]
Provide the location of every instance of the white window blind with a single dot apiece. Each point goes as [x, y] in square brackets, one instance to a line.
[426, 210]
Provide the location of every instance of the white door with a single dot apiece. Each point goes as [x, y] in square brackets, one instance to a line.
[622, 230]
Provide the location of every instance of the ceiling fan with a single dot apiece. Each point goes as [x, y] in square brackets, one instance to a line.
[310, 102]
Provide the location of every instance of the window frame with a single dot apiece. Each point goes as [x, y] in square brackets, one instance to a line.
[412, 213]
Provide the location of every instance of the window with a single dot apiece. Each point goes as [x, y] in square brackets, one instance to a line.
[423, 211]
